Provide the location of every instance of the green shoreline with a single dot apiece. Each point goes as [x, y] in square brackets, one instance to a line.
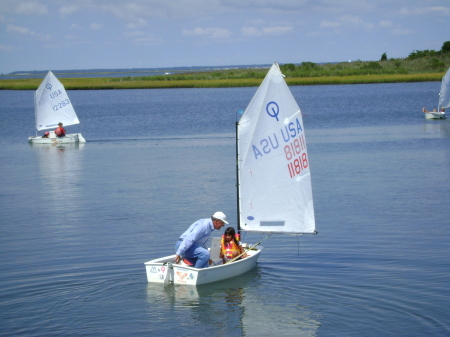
[149, 83]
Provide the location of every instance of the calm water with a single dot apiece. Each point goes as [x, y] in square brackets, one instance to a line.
[78, 222]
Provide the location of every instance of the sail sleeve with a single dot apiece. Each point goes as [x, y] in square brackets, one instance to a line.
[275, 193]
[52, 105]
[444, 95]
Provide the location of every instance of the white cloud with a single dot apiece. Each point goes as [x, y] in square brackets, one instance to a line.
[136, 33]
[30, 8]
[250, 31]
[256, 22]
[71, 37]
[355, 21]
[164, 9]
[66, 10]
[5, 47]
[95, 26]
[440, 10]
[10, 28]
[401, 31]
[76, 26]
[142, 38]
[347, 21]
[148, 40]
[385, 23]
[277, 30]
[330, 24]
[265, 31]
[220, 33]
[137, 23]
[18, 29]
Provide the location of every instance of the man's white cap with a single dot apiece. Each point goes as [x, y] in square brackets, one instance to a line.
[220, 216]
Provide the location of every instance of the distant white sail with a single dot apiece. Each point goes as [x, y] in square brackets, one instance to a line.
[274, 178]
[444, 95]
[52, 105]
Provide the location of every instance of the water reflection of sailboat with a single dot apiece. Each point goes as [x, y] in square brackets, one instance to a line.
[236, 307]
[215, 305]
[181, 295]
[60, 169]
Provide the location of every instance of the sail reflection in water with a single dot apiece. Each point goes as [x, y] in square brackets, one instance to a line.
[60, 170]
[231, 308]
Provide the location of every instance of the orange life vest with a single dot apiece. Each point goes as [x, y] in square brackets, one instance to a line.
[60, 131]
[230, 247]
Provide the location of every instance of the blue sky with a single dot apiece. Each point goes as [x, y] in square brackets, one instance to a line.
[86, 34]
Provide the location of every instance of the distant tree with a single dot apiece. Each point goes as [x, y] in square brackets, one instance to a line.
[446, 47]
[422, 53]
[308, 65]
[288, 66]
[383, 57]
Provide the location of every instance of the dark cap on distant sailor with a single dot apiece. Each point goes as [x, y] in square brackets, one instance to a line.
[60, 123]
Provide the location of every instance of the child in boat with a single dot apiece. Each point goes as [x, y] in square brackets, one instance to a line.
[46, 134]
[60, 131]
[231, 246]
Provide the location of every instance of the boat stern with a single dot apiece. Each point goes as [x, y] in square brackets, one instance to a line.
[164, 271]
[81, 138]
[434, 115]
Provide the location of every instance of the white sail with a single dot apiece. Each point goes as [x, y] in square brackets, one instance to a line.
[274, 177]
[52, 105]
[444, 95]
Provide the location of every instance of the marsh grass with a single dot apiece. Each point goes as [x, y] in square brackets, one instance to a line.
[306, 73]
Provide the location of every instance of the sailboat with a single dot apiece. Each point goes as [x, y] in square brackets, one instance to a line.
[444, 99]
[52, 106]
[273, 183]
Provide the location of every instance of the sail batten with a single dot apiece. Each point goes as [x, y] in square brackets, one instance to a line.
[275, 192]
[52, 104]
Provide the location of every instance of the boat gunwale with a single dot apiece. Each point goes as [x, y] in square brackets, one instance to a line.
[164, 260]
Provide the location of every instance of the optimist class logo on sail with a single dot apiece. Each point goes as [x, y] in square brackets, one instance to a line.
[291, 133]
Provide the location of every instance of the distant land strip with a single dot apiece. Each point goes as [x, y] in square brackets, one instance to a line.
[157, 83]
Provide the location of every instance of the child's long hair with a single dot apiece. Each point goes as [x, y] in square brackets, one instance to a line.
[230, 231]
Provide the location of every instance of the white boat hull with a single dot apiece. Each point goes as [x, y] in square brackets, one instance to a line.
[52, 139]
[434, 115]
[162, 270]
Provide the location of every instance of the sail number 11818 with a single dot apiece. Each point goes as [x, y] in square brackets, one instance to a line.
[297, 158]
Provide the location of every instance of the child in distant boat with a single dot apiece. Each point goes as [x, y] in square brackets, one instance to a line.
[231, 247]
[46, 134]
[424, 110]
[60, 131]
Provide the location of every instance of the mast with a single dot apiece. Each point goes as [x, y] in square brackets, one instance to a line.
[35, 113]
[237, 182]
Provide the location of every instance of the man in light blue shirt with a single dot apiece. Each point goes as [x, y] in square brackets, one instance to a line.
[191, 244]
